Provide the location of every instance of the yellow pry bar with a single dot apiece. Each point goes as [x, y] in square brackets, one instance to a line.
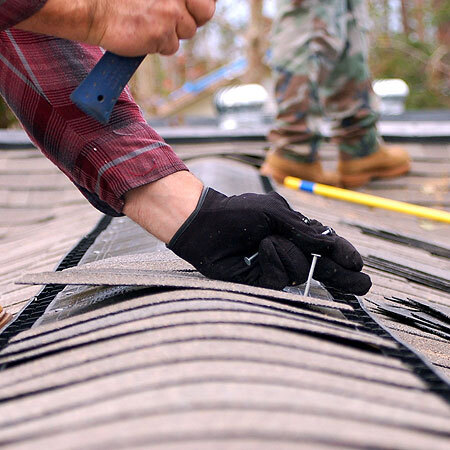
[367, 199]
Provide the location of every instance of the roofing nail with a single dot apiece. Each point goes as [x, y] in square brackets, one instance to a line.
[249, 260]
[311, 273]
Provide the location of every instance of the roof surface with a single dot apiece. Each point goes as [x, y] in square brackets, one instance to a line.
[140, 350]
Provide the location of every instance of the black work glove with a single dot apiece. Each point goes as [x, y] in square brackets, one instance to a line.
[223, 230]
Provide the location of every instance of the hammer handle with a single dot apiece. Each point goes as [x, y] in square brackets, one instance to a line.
[98, 93]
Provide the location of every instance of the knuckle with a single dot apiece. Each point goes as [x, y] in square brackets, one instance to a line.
[175, 47]
[171, 48]
[172, 9]
[191, 32]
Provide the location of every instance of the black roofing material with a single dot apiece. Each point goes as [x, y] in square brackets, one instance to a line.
[418, 363]
[433, 249]
[38, 304]
[417, 276]
[267, 184]
[430, 318]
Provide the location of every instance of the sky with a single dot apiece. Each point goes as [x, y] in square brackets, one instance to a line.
[240, 11]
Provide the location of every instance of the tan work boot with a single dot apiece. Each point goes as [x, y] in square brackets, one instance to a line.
[386, 162]
[4, 317]
[277, 166]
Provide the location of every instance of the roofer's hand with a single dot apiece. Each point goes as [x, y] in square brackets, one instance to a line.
[223, 230]
[125, 27]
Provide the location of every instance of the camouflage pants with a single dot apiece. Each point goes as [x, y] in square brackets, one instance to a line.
[320, 57]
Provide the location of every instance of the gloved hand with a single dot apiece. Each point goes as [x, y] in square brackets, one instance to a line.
[223, 230]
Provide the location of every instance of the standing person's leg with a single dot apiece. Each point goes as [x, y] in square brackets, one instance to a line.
[349, 101]
[308, 39]
[37, 75]
[348, 89]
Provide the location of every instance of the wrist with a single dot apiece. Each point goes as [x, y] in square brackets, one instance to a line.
[163, 206]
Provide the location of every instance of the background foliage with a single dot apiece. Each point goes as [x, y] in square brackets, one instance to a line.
[409, 40]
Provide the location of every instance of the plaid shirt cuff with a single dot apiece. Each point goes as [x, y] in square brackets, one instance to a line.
[121, 160]
[13, 12]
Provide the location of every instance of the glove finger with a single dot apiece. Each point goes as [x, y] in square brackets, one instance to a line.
[295, 263]
[344, 254]
[342, 251]
[312, 240]
[279, 263]
[306, 234]
[307, 239]
[272, 273]
[333, 275]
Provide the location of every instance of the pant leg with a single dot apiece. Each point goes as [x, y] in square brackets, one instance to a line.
[348, 89]
[37, 75]
[309, 37]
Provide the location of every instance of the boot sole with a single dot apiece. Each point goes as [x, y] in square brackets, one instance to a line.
[360, 179]
[5, 319]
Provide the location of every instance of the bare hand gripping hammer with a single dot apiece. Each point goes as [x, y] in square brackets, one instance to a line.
[98, 93]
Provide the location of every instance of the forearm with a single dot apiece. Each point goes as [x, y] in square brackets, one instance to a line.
[163, 206]
[13, 12]
[61, 18]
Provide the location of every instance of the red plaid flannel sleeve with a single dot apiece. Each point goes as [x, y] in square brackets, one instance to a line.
[37, 75]
[14, 11]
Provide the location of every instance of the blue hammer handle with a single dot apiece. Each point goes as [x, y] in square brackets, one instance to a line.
[98, 93]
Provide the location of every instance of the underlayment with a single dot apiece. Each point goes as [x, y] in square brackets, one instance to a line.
[203, 364]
